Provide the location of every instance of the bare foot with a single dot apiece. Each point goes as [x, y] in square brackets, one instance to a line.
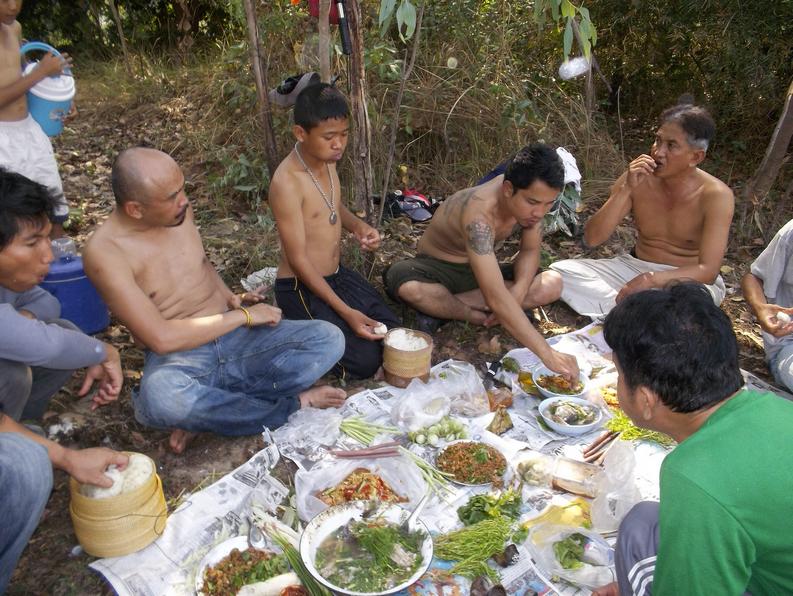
[323, 396]
[180, 439]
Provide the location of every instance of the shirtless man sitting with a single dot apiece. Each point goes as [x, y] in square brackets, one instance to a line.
[456, 274]
[306, 201]
[211, 364]
[682, 216]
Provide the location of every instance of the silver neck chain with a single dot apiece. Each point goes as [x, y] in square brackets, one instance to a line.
[328, 202]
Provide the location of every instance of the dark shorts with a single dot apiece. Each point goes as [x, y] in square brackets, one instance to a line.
[362, 357]
[455, 277]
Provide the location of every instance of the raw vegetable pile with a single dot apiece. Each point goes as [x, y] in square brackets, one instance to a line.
[447, 429]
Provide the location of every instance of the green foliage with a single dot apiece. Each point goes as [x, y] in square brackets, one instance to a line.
[241, 174]
[567, 11]
[405, 17]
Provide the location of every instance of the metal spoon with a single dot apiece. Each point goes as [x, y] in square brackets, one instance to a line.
[411, 520]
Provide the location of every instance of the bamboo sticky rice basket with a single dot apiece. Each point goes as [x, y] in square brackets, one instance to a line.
[119, 525]
[402, 366]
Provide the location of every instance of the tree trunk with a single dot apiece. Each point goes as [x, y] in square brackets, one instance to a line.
[324, 40]
[362, 163]
[407, 69]
[184, 25]
[763, 179]
[260, 77]
[117, 19]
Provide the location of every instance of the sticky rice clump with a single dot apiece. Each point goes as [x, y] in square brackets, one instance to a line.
[135, 475]
[404, 339]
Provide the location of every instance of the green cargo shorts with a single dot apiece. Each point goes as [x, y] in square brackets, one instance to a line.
[455, 277]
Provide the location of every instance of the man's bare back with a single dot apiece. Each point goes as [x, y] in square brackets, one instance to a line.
[446, 238]
[322, 239]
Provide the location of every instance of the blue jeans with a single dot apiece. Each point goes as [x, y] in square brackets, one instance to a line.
[25, 485]
[781, 366]
[240, 382]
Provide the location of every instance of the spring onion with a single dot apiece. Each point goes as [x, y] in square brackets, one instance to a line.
[364, 432]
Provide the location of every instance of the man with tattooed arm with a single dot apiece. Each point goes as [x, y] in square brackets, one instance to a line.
[456, 275]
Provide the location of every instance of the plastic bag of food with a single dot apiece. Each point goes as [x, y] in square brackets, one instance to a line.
[402, 479]
[578, 555]
[420, 405]
[561, 473]
[460, 381]
[616, 491]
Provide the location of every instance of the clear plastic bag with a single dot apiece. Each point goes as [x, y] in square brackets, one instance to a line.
[561, 473]
[541, 546]
[309, 432]
[400, 473]
[420, 405]
[616, 491]
[467, 394]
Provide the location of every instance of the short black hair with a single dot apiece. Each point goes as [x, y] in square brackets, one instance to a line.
[695, 121]
[537, 161]
[676, 342]
[319, 102]
[22, 201]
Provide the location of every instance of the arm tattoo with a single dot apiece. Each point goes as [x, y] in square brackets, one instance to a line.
[480, 237]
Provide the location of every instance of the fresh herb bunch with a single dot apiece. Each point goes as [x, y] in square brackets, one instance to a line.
[472, 546]
[570, 551]
[480, 507]
[630, 432]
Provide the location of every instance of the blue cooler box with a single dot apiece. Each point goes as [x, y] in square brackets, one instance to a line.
[80, 302]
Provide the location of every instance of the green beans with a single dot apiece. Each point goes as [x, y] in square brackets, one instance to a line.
[472, 546]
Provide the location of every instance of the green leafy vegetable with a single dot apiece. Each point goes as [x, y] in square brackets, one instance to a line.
[630, 432]
[570, 551]
[510, 365]
[480, 507]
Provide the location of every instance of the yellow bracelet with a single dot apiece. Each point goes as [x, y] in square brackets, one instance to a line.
[248, 317]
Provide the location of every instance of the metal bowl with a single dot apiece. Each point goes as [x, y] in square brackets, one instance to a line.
[326, 523]
[506, 462]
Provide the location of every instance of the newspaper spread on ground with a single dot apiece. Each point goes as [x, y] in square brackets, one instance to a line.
[215, 514]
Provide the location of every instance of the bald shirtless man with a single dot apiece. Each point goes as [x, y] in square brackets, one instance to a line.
[682, 215]
[456, 274]
[24, 148]
[305, 196]
[211, 364]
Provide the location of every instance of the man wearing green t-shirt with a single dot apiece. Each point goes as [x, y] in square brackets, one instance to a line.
[724, 524]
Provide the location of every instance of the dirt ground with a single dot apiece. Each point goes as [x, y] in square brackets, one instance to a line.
[53, 564]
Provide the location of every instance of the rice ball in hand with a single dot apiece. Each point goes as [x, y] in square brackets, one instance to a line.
[783, 318]
[381, 329]
[98, 492]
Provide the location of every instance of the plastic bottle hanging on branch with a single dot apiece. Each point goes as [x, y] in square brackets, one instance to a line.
[571, 69]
